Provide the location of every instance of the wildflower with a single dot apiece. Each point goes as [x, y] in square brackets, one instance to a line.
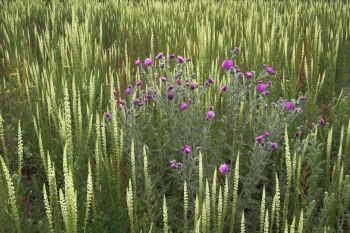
[322, 122]
[210, 114]
[223, 88]
[227, 64]
[171, 56]
[194, 86]
[148, 62]
[298, 134]
[180, 59]
[159, 56]
[298, 110]
[289, 105]
[190, 101]
[170, 87]
[260, 87]
[183, 106]
[137, 101]
[138, 62]
[139, 83]
[178, 81]
[173, 164]
[128, 90]
[223, 168]
[115, 93]
[267, 93]
[269, 83]
[249, 74]
[179, 165]
[270, 69]
[108, 116]
[210, 80]
[186, 149]
[237, 50]
[259, 139]
[267, 134]
[238, 69]
[164, 79]
[170, 96]
[274, 146]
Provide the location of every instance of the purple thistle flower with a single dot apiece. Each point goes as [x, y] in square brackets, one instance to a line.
[170, 96]
[210, 80]
[322, 122]
[170, 86]
[137, 101]
[171, 56]
[183, 106]
[223, 88]
[148, 62]
[259, 139]
[269, 84]
[237, 50]
[238, 69]
[128, 90]
[139, 83]
[178, 81]
[108, 116]
[186, 149]
[194, 86]
[249, 74]
[210, 114]
[274, 146]
[298, 110]
[289, 105]
[180, 59]
[267, 134]
[164, 79]
[267, 93]
[138, 62]
[227, 64]
[190, 101]
[223, 168]
[159, 56]
[270, 69]
[260, 87]
[173, 164]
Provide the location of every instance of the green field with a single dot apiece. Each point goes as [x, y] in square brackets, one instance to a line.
[174, 116]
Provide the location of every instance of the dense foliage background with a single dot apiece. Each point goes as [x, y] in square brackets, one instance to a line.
[85, 147]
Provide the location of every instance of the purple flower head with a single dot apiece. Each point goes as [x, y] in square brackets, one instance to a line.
[298, 110]
[267, 134]
[164, 79]
[128, 90]
[259, 139]
[322, 122]
[148, 62]
[186, 149]
[173, 164]
[267, 93]
[170, 86]
[190, 101]
[303, 98]
[289, 105]
[269, 84]
[137, 101]
[249, 74]
[108, 116]
[223, 88]
[170, 96]
[138, 62]
[180, 59]
[227, 64]
[139, 83]
[178, 81]
[194, 86]
[159, 56]
[210, 114]
[171, 56]
[210, 80]
[223, 168]
[237, 50]
[270, 69]
[260, 88]
[265, 65]
[274, 146]
[183, 106]
[238, 69]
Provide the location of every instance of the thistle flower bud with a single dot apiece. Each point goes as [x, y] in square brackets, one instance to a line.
[223, 168]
